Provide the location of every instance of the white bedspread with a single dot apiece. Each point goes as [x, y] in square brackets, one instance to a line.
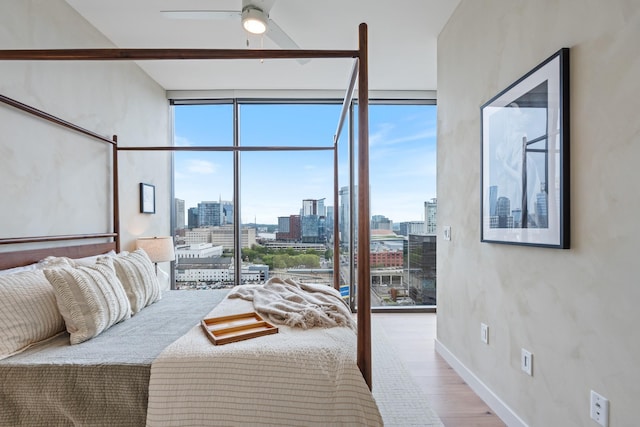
[292, 378]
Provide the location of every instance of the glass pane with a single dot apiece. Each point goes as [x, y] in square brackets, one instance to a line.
[203, 124]
[402, 178]
[288, 125]
[285, 201]
[203, 185]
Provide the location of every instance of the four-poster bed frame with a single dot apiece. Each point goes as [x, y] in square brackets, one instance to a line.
[359, 75]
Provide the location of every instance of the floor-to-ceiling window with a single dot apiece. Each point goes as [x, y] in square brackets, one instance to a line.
[402, 168]
[286, 205]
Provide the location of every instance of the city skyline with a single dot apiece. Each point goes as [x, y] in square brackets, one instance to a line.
[428, 206]
[273, 184]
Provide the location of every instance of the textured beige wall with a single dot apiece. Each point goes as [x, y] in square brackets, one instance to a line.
[54, 181]
[576, 310]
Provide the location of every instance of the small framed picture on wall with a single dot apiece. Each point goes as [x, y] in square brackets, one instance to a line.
[147, 198]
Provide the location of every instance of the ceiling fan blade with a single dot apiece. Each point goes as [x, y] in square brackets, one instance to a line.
[201, 14]
[282, 39]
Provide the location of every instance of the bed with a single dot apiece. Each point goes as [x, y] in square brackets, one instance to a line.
[167, 372]
[158, 367]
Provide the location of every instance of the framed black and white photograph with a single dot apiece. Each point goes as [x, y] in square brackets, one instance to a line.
[525, 159]
[147, 198]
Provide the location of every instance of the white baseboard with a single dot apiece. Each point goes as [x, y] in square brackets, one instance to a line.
[500, 408]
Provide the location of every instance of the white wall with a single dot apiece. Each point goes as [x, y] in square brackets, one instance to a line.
[54, 181]
[577, 309]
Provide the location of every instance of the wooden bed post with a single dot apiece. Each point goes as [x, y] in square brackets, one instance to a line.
[364, 268]
[116, 194]
[336, 226]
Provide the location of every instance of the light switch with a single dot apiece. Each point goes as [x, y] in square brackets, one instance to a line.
[447, 232]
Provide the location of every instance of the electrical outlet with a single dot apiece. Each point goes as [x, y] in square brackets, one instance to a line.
[526, 362]
[484, 333]
[599, 409]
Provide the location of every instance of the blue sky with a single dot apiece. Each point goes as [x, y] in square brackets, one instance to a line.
[402, 158]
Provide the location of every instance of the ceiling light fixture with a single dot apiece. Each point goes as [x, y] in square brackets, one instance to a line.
[254, 20]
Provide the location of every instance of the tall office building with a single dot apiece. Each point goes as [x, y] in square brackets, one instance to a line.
[313, 207]
[345, 212]
[312, 221]
[192, 218]
[430, 216]
[310, 226]
[209, 214]
[381, 222]
[179, 207]
[227, 212]
[411, 227]
[421, 267]
[542, 214]
[283, 224]
[493, 198]
[329, 221]
[503, 214]
[288, 228]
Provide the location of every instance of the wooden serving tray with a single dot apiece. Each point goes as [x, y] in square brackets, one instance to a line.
[236, 327]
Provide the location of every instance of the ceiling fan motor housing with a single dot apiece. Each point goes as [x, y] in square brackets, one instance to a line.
[254, 20]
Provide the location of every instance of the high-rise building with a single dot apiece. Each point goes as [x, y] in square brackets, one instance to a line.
[310, 226]
[288, 228]
[381, 222]
[430, 216]
[345, 213]
[227, 212]
[421, 267]
[542, 215]
[192, 218]
[411, 227]
[313, 221]
[313, 207]
[493, 198]
[179, 207]
[503, 218]
[329, 221]
[209, 214]
[284, 224]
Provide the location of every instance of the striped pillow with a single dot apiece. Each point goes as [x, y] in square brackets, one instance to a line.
[90, 298]
[138, 277]
[28, 311]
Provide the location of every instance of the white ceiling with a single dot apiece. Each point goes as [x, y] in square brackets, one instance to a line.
[402, 41]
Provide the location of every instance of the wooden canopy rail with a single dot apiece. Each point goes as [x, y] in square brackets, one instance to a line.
[363, 293]
[71, 126]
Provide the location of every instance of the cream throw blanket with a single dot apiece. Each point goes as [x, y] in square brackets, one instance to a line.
[293, 378]
[301, 305]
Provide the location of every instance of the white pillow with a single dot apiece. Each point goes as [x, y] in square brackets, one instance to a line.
[30, 267]
[90, 260]
[28, 311]
[53, 261]
[137, 274]
[91, 299]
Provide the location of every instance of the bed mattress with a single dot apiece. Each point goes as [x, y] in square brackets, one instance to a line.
[103, 381]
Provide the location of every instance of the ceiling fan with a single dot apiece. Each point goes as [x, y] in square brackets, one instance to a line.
[254, 17]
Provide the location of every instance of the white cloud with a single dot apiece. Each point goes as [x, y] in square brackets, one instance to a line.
[181, 141]
[202, 167]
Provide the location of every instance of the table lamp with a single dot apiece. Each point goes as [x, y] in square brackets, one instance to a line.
[159, 249]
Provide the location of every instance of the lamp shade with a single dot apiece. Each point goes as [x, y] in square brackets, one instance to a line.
[159, 249]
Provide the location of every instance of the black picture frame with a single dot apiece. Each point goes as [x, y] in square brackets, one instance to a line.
[147, 198]
[524, 174]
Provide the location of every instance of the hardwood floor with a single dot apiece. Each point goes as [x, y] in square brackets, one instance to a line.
[413, 335]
